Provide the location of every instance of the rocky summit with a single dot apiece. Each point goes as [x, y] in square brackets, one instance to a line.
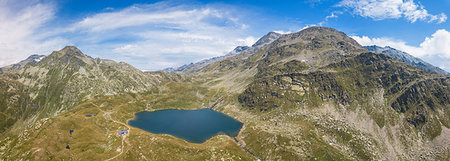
[311, 95]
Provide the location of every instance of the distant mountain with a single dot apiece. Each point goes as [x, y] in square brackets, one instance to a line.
[405, 57]
[31, 59]
[266, 39]
[238, 49]
[194, 67]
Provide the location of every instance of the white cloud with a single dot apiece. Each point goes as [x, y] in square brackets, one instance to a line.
[20, 30]
[435, 49]
[282, 32]
[438, 43]
[140, 15]
[387, 9]
[307, 26]
[161, 33]
[248, 41]
[384, 41]
[333, 14]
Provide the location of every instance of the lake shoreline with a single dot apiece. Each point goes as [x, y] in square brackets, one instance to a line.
[190, 118]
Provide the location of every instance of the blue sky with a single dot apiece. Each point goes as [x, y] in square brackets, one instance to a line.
[153, 35]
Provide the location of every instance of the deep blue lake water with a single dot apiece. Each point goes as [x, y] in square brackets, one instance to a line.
[195, 126]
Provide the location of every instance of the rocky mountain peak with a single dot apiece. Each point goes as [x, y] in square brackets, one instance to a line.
[320, 38]
[69, 54]
[320, 34]
[266, 39]
[71, 50]
[238, 49]
[34, 58]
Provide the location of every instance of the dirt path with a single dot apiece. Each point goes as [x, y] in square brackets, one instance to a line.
[107, 115]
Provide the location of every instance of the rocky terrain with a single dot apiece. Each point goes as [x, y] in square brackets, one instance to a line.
[312, 95]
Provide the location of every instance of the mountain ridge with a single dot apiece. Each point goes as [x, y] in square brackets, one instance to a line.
[195, 67]
[403, 56]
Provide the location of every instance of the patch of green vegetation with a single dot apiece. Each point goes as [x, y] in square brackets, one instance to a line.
[432, 129]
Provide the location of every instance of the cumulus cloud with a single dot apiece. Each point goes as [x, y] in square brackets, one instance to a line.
[438, 43]
[435, 49]
[21, 29]
[387, 9]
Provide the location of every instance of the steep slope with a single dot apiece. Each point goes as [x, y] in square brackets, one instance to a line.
[12, 101]
[66, 78]
[267, 39]
[407, 58]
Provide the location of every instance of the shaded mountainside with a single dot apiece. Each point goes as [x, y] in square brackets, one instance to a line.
[12, 103]
[66, 78]
[423, 98]
[407, 58]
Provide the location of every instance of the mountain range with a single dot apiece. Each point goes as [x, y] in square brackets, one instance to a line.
[194, 67]
[311, 95]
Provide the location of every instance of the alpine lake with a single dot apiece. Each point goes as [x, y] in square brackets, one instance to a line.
[194, 126]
